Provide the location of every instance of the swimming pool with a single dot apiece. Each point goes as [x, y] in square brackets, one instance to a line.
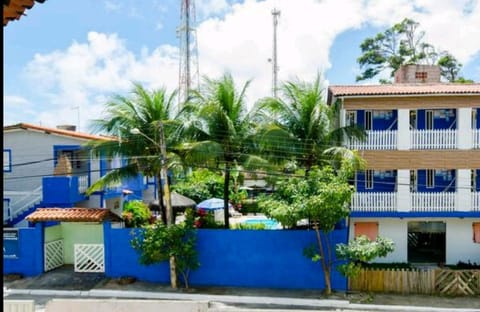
[270, 224]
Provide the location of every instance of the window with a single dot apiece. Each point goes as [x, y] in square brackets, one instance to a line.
[473, 179]
[7, 160]
[369, 229]
[430, 178]
[368, 120]
[413, 119]
[476, 232]
[474, 118]
[351, 118]
[413, 180]
[368, 179]
[421, 75]
[429, 119]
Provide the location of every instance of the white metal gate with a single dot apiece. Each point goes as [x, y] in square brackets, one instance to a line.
[89, 258]
[53, 255]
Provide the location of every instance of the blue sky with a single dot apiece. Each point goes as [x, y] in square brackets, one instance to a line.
[65, 59]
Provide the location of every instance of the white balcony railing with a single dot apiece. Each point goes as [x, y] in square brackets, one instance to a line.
[433, 139]
[476, 138]
[375, 140]
[374, 201]
[433, 201]
[476, 201]
[82, 183]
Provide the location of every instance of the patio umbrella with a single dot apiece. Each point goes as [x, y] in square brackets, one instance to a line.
[212, 204]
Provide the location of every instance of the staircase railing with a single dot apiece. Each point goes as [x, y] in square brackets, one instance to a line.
[18, 206]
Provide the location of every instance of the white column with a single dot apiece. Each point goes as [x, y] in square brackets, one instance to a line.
[463, 200]
[403, 190]
[343, 114]
[403, 132]
[464, 128]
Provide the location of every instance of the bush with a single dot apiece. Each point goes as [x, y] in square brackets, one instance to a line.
[254, 226]
[205, 220]
[250, 206]
[136, 213]
[388, 266]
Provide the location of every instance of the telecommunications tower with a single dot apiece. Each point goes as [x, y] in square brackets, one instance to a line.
[188, 71]
[275, 15]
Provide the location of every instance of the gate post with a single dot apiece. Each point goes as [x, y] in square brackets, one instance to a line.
[107, 231]
[40, 236]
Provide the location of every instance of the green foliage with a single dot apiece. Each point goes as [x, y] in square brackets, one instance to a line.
[362, 250]
[403, 44]
[136, 213]
[158, 243]
[200, 184]
[243, 226]
[250, 206]
[206, 220]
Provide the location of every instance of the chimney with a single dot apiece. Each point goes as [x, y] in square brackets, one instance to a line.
[418, 74]
[67, 127]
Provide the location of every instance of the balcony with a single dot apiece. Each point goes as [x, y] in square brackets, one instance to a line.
[417, 202]
[433, 139]
[376, 140]
[64, 190]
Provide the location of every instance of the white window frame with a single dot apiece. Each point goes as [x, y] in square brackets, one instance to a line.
[430, 178]
[351, 118]
[369, 179]
[368, 120]
[429, 117]
[413, 181]
[7, 160]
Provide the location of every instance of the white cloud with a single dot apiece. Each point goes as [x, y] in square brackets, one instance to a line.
[112, 6]
[238, 38]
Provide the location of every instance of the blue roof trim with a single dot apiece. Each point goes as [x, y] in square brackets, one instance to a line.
[416, 214]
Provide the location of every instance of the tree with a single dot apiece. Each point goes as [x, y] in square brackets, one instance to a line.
[143, 110]
[300, 126]
[360, 251]
[399, 45]
[219, 129]
[323, 197]
[158, 242]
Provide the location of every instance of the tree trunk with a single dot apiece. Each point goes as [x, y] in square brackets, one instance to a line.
[161, 205]
[173, 272]
[325, 267]
[226, 196]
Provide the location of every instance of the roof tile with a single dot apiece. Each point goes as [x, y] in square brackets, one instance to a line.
[71, 215]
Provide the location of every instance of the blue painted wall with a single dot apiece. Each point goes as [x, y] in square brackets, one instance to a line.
[383, 181]
[442, 119]
[241, 258]
[443, 183]
[29, 260]
[478, 180]
[61, 190]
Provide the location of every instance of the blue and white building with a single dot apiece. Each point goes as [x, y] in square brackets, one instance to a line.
[31, 155]
[421, 186]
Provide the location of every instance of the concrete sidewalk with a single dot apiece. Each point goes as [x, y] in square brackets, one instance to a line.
[65, 283]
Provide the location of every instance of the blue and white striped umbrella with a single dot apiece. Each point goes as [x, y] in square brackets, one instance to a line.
[212, 204]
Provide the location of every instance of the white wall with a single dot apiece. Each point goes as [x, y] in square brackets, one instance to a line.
[460, 245]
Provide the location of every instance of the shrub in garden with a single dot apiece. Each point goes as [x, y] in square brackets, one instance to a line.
[136, 213]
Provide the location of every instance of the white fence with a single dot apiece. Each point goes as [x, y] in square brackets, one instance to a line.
[375, 140]
[374, 202]
[476, 201]
[89, 258]
[476, 138]
[433, 139]
[18, 305]
[433, 201]
[53, 255]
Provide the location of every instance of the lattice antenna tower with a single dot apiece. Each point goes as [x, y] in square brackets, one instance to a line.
[275, 15]
[188, 71]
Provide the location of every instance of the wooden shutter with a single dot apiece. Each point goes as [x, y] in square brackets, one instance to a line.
[476, 232]
[370, 229]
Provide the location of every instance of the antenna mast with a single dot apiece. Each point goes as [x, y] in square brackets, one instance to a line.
[275, 15]
[188, 71]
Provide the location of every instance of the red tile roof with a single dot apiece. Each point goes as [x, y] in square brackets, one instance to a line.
[71, 215]
[14, 9]
[48, 130]
[404, 89]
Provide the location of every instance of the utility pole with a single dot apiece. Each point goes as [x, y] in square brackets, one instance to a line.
[275, 15]
[167, 197]
[188, 71]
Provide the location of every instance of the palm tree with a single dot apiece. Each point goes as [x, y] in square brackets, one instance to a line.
[219, 128]
[302, 127]
[143, 111]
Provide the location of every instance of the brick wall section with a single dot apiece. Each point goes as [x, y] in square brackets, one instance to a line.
[417, 74]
